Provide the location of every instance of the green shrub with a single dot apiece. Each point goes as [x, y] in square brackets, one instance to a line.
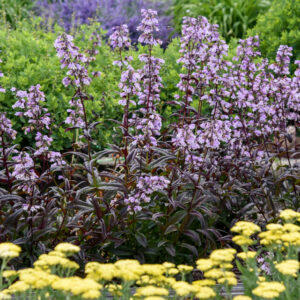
[279, 26]
[233, 16]
[12, 11]
[29, 58]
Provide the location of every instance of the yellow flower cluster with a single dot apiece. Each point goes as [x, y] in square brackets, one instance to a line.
[288, 267]
[217, 266]
[282, 235]
[245, 230]
[84, 287]
[9, 251]
[269, 290]
[290, 215]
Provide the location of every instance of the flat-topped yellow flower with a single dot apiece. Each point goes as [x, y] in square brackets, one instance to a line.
[185, 268]
[230, 280]
[245, 228]
[37, 279]
[290, 215]
[155, 269]
[17, 287]
[183, 288]
[99, 272]
[204, 282]
[205, 264]
[205, 292]
[214, 273]
[246, 255]
[242, 240]
[223, 255]
[76, 285]
[4, 296]
[241, 297]
[10, 274]
[168, 265]
[9, 251]
[288, 267]
[154, 298]
[67, 248]
[269, 290]
[46, 261]
[151, 290]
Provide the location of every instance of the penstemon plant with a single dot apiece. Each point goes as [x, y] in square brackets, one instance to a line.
[171, 192]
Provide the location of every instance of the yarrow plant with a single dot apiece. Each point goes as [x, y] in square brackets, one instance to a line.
[52, 274]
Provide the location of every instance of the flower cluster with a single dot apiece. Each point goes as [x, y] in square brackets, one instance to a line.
[146, 186]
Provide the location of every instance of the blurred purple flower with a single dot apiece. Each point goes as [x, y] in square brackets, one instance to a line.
[109, 13]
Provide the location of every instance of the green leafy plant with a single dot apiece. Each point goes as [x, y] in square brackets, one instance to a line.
[279, 26]
[234, 17]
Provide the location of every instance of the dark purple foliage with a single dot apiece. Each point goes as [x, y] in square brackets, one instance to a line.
[109, 13]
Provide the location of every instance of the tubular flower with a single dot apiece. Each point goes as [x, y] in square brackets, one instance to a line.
[288, 267]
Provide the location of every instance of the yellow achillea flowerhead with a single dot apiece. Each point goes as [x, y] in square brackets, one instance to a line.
[288, 267]
[9, 251]
[183, 288]
[17, 287]
[91, 294]
[77, 286]
[245, 228]
[4, 296]
[67, 249]
[10, 274]
[98, 272]
[205, 292]
[242, 240]
[37, 279]
[173, 271]
[204, 282]
[129, 269]
[246, 255]
[289, 227]
[115, 289]
[269, 290]
[242, 297]
[154, 298]
[230, 280]
[46, 261]
[146, 280]
[151, 290]
[223, 255]
[214, 273]
[168, 265]
[290, 215]
[291, 238]
[204, 264]
[155, 270]
[185, 268]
